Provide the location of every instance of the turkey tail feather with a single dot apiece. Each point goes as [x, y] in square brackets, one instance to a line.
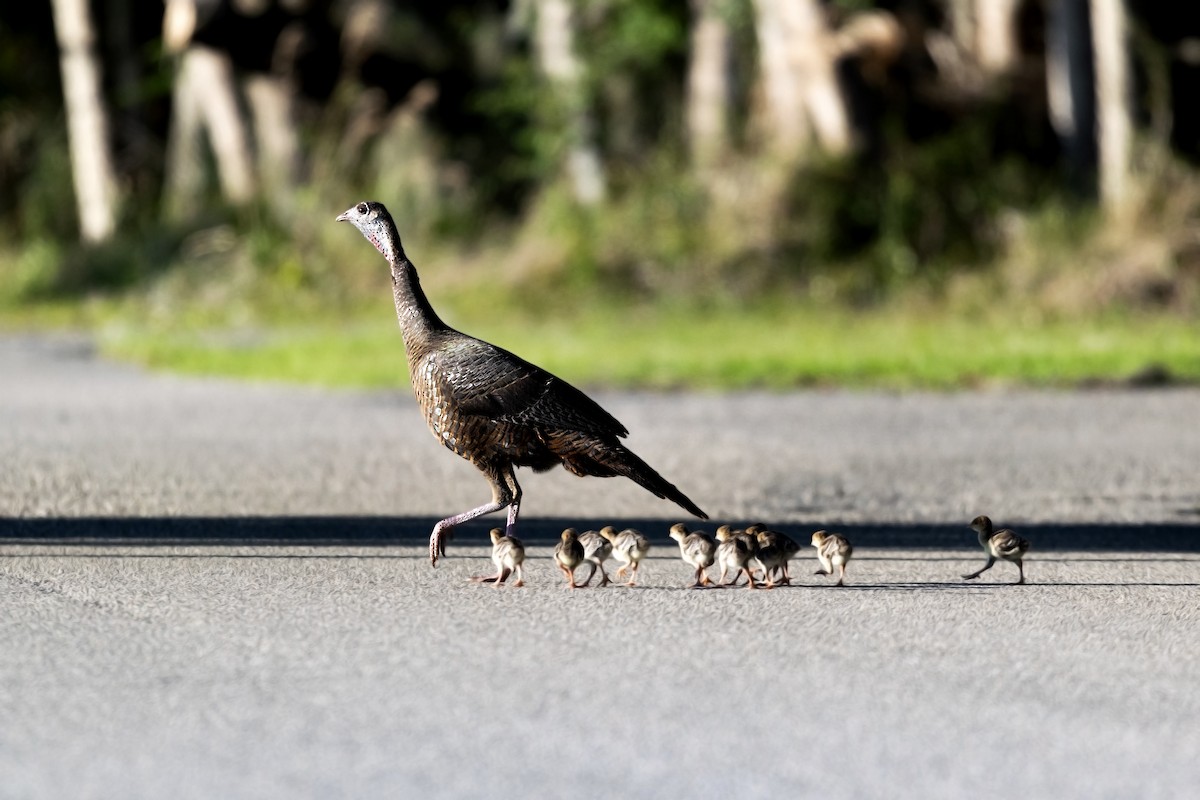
[614, 459]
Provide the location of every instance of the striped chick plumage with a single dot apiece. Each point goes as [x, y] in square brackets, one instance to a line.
[508, 554]
[833, 550]
[1002, 544]
[568, 554]
[629, 547]
[734, 553]
[596, 550]
[777, 547]
[698, 550]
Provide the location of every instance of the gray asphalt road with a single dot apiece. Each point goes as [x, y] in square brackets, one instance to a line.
[217, 590]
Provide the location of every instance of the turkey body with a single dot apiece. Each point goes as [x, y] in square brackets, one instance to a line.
[496, 409]
[492, 407]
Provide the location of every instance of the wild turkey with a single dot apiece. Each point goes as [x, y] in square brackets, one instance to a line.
[777, 547]
[697, 549]
[596, 550]
[568, 554]
[1002, 543]
[492, 408]
[629, 547]
[733, 553]
[508, 554]
[833, 550]
[749, 544]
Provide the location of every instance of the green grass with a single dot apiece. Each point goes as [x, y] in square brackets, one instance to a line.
[227, 304]
[886, 348]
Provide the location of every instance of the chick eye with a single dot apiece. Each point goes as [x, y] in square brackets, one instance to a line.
[361, 208]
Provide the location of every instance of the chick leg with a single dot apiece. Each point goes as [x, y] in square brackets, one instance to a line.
[990, 562]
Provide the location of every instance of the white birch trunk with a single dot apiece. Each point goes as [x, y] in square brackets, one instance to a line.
[814, 60]
[554, 40]
[205, 101]
[1114, 129]
[996, 47]
[797, 61]
[986, 32]
[87, 121]
[270, 99]
[786, 129]
[708, 84]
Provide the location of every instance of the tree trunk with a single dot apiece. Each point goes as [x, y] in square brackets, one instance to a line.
[1114, 129]
[272, 102]
[816, 69]
[205, 99]
[986, 30]
[797, 61]
[1070, 87]
[554, 41]
[786, 132]
[996, 45]
[87, 121]
[708, 84]
[270, 99]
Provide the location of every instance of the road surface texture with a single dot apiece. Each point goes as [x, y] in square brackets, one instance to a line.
[211, 589]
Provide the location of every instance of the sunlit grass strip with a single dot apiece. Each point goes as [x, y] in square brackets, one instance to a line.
[724, 350]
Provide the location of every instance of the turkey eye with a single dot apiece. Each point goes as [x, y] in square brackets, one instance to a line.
[362, 208]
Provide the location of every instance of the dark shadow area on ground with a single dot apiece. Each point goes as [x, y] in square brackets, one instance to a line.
[376, 531]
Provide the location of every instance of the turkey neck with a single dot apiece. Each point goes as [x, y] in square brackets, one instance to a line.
[418, 321]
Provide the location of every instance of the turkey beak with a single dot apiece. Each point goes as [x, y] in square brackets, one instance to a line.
[343, 217]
